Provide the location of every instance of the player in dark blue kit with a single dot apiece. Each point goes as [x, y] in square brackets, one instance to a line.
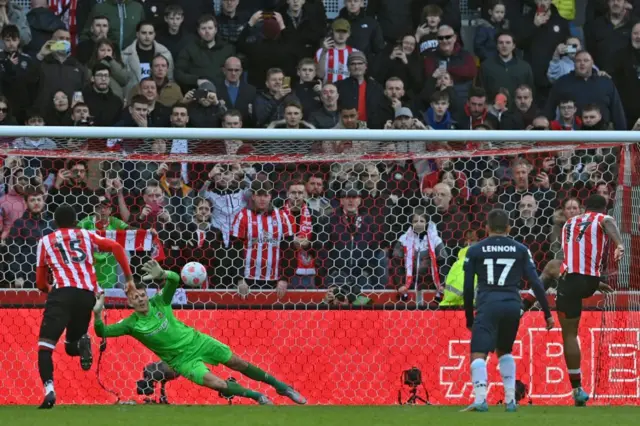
[499, 263]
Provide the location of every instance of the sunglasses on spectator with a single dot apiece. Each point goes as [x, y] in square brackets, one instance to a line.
[445, 37]
[4, 109]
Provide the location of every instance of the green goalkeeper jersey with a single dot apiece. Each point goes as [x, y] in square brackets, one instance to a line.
[159, 330]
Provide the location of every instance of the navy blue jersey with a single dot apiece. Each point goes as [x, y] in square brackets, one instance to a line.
[500, 263]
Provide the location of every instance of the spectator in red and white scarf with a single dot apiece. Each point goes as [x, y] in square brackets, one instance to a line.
[416, 256]
[305, 264]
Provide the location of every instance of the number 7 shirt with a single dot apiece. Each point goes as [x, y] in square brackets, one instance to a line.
[584, 243]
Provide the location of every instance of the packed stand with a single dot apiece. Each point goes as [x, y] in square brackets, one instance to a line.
[343, 226]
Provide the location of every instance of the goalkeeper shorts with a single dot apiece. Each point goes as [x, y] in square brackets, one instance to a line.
[191, 364]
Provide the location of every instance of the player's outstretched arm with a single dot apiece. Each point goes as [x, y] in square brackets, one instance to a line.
[105, 244]
[537, 287]
[102, 330]
[154, 272]
[610, 227]
[469, 293]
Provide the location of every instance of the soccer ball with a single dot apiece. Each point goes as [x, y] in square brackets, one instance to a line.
[193, 274]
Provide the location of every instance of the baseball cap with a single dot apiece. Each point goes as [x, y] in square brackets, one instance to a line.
[403, 112]
[356, 56]
[341, 25]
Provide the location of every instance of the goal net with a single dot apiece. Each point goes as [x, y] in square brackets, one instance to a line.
[360, 306]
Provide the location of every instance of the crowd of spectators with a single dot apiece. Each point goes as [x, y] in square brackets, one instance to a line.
[283, 64]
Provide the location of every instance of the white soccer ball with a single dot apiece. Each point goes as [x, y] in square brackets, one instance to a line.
[194, 274]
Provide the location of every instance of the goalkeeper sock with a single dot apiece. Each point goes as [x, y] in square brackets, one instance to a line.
[45, 367]
[575, 377]
[479, 379]
[234, 389]
[508, 372]
[259, 375]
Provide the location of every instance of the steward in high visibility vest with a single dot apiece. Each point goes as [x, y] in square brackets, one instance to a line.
[454, 284]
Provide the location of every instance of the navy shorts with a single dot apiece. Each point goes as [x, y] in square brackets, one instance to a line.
[495, 327]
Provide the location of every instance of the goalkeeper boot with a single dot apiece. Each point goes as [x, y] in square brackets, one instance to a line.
[293, 395]
[580, 397]
[264, 400]
[86, 356]
[478, 406]
[49, 401]
[511, 407]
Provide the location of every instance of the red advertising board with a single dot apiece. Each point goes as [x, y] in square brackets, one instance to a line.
[339, 357]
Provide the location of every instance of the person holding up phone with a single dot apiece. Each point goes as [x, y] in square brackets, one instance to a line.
[20, 73]
[332, 57]
[427, 32]
[58, 70]
[562, 62]
[539, 30]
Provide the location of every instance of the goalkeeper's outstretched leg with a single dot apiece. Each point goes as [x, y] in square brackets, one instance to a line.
[255, 373]
[188, 350]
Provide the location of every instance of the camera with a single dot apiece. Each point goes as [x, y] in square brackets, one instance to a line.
[200, 94]
[412, 377]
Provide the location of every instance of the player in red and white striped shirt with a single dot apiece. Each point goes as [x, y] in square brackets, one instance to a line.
[332, 57]
[68, 254]
[264, 230]
[584, 243]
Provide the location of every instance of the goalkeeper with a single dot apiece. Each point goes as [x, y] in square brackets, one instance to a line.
[183, 348]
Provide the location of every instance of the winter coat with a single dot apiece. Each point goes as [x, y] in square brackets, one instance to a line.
[484, 41]
[131, 62]
[539, 43]
[366, 34]
[197, 61]
[123, 15]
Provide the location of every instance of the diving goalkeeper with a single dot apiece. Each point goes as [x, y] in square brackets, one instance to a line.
[183, 348]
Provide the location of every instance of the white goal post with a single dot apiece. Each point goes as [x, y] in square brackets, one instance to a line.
[625, 137]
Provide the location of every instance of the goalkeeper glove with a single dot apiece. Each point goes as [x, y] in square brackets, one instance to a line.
[99, 306]
[153, 271]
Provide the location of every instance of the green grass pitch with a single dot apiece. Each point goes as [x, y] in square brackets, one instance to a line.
[175, 415]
